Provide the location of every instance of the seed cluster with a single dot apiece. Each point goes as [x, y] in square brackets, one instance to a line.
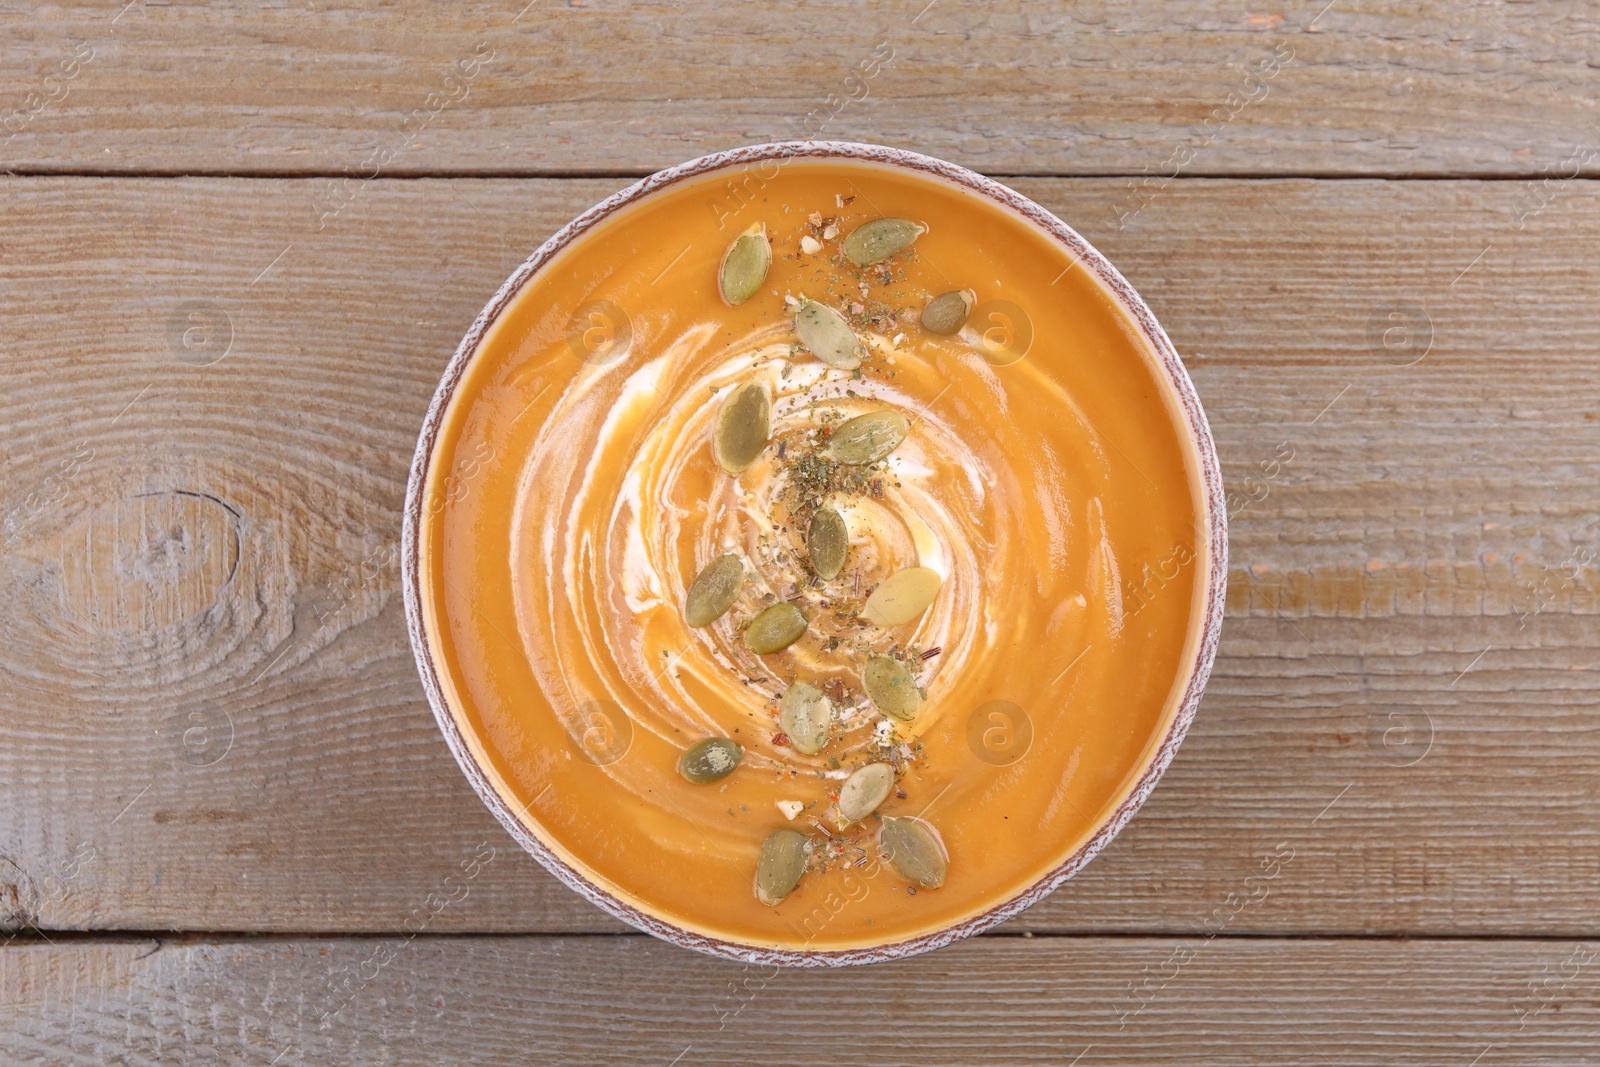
[834, 460]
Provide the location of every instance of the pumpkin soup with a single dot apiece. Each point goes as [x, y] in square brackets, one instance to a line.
[812, 555]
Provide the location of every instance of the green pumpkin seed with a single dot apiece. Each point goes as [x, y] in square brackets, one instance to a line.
[745, 265]
[863, 791]
[868, 438]
[774, 629]
[875, 241]
[710, 760]
[914, 851]
[783, 861]
[806, 714]
[903, 596]
[743, 425]
[827, 542]
[826, 333]
[891, 688]
[947, 312]
[714, 591]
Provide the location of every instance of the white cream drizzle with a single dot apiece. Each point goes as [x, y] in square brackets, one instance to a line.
[619, 545]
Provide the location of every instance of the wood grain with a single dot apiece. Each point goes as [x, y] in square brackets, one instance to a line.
[1086, 88]
[210, 720]
[631, 1000]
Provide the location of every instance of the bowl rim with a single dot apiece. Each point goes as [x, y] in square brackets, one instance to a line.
[1212, 501]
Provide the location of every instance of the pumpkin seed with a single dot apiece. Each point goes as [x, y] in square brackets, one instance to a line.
[743, 425]
[903, 596]
[774, 629]
[826, 333]
[710, 760]
[891, 688]
[875, 241]
[745, 265]
[947, 312]
[827, 541]
[714, 591]
[806, 713]
[914, 851]
[868, 438]
[783, 861]
[863, 791]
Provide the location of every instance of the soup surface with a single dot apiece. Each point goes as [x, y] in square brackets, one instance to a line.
[1046, 476]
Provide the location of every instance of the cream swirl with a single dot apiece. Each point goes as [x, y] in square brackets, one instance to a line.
[629, 530]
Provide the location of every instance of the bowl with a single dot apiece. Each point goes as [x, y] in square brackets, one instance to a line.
[436, 485]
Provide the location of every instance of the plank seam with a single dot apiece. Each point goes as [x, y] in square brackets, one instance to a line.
[634, 175]
[169, 937]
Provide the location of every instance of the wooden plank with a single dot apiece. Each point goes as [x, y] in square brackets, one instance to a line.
[1007, 1001]
[210, 720]
[516, 88]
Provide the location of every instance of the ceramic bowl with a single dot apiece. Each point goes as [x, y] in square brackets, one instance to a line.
[1213, 519]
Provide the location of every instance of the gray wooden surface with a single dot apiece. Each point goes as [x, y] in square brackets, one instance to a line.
[223, 800]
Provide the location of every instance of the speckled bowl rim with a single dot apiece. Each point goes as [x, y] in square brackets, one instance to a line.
[1215, 522]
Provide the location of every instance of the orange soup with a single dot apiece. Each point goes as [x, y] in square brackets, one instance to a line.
[1040, 481]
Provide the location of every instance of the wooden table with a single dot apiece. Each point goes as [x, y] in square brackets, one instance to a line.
[238, 246]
